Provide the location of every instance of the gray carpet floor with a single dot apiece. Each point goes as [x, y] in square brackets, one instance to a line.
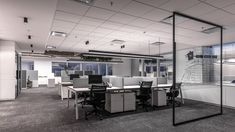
[41, 110]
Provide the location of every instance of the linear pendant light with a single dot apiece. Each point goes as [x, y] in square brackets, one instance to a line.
[120, 55]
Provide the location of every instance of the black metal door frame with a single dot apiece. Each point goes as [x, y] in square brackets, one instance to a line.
[174, 68]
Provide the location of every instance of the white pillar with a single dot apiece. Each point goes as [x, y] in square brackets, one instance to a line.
[7, 70]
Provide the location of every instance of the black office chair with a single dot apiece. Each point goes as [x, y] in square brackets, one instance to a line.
[144, 94]
[97, 100]
[173, 93]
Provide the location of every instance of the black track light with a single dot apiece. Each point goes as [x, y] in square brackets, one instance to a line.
[26, 20]
[29, 36]
[31, 45]
[87, 42]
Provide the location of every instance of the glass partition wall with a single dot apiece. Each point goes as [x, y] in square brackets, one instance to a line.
[197, 75]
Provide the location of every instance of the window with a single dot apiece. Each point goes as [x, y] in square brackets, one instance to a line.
[102, 69]
[148, 69]
[110, 69]
[90, 67]
[74, 66]
[57, 67]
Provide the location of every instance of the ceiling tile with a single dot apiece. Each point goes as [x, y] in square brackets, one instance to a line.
[219, 17]
[220, 3]
[136, 9]
[157, 15]
[91, 21]
[53, 40]
[139, 22]
[63, 24]
[83, 27]
[111, 25]
[80, 32]
[61, 29]
[72, 7]
[103, 30]
[115, 6]
[194, 25]
[179, 5]
[199, 9]
[122, 18]
[155, 3]
[230, 8]
[99, 13]
[67, 17]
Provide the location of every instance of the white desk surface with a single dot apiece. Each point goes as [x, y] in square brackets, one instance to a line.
[86, 89]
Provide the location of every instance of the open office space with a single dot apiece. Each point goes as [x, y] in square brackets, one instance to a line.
[117, 65]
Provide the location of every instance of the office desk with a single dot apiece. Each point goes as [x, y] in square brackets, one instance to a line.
[76, 91]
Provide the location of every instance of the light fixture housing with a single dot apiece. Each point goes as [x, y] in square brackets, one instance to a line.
[158, 43]
[50, 47]
[121, 55]
[117, 41]
[58, 34]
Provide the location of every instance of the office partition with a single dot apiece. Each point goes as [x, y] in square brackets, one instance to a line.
[195, 77]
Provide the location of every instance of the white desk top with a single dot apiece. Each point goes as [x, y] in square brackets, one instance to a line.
[132, 87]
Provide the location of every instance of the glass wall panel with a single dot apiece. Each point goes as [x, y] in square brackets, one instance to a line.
[197, 91]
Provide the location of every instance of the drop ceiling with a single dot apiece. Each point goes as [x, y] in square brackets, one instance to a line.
[137, 22]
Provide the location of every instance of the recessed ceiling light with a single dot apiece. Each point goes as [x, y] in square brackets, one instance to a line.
[158, 43]
[50, 47]
[87, 2]
[117, 41]
[58, 34]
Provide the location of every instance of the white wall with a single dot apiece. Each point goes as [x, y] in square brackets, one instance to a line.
[44, 68]
[7, 70]
[122, 69]
[26, 65]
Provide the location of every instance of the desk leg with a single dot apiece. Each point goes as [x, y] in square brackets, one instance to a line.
[181, 96]
[76, 105]
[68, 97]
[152, 97]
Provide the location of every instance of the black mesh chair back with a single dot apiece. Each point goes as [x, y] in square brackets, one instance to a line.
[145, 88]
[97, 94]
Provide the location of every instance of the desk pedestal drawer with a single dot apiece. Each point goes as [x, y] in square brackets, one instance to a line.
[114, 102]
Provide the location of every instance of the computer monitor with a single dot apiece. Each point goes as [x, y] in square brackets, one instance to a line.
[72, 76]
[79, 72]
[95, 79]
[88, 72]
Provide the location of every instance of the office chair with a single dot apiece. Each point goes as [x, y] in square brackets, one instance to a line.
[173, 94]
[97, 100]
[144, 94]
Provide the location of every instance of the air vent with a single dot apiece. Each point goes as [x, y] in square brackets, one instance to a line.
[117, 41]
[58, 34]
[87, 2]
[167, 20]
[178, 19]
[210, 30]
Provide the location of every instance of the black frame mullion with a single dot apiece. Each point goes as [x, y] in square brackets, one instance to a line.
[174, 68]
